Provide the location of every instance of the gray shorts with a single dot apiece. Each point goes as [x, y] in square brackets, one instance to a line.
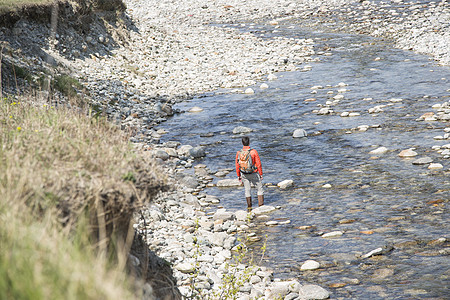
[252, 179]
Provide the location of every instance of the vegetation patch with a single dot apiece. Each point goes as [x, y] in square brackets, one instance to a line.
[70, 185]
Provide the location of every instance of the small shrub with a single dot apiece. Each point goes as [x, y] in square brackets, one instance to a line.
[67, 85]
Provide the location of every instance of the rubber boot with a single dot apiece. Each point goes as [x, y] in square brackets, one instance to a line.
[260, 200]
[249, 203]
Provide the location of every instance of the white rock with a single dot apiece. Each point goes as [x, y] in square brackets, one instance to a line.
[298, 133]
[363, 128]
[196, 109]
[185, 268]
[327, 186]
[285, 183]
[379, 150]
[241, 129]
[373, 252]
[241, 215]
[264, 86]
[271, 77]
[271, 223]
[310, 265]
[311, 291]
[249, 91]
[408, 153]
[333, 234]
[435, 166]
[263, 209]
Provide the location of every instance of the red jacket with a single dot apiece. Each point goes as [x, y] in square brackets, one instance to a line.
[255, 160]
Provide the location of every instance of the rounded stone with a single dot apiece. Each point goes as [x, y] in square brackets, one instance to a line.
[310, 265]
[299, 133]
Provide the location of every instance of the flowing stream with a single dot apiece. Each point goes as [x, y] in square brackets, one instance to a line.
[376, 200]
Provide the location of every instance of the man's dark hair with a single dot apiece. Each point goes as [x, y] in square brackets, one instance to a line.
[245, 141]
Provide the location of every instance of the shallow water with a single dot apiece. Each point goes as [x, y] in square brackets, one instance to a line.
[386, 194]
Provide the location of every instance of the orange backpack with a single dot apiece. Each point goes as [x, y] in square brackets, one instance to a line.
[245, 162]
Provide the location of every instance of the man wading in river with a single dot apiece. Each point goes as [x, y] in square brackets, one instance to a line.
[249, 171]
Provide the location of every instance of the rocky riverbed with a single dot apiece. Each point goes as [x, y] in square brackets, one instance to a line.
[168, 51]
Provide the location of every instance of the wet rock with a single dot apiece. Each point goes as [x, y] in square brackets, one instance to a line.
[271, 223]
[423, 161]
[332, 234]
[196, 109]
[435, 166]
[197, 152]
[285, 184]
[377, 251]
[241, 129]
[263, 209]
[309, 265]
[381, 274]
[299, 133]
[408, 153]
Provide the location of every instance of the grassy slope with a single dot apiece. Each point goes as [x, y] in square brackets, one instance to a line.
[14, 5]
[55, 164]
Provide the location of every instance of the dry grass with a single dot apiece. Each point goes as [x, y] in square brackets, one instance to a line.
[70, 185]
[14, 5]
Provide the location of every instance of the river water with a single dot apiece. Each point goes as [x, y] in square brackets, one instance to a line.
[377, 201]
